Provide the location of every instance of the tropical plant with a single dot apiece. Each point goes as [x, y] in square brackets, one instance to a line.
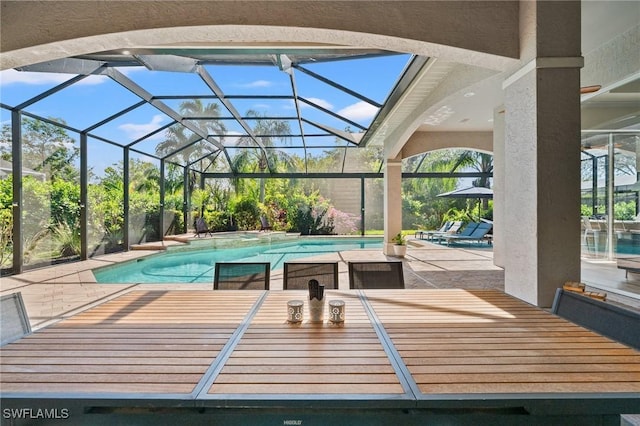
[398, 239]
[253, 158]
[199, 199]
[246, 213]
[625, 210]
[67, 240]
[6, 237]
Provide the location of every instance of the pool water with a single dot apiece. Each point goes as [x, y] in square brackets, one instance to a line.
[197, 266]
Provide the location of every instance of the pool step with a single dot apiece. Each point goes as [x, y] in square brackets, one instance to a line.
[158, 245]
[148, 247]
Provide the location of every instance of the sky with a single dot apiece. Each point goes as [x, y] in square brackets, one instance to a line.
[93, 99]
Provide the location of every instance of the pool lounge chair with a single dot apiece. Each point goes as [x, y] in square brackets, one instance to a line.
[477, 234]
[465, 231]
[202, 228]
[444, 228]
[452, 229]
[264, 224]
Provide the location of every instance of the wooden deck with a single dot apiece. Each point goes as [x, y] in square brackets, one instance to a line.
[398, 349]
[483, 342]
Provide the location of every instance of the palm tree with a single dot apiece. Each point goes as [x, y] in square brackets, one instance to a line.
[178, 136]
[252, 158]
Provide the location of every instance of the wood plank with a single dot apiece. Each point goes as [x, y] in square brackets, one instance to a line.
[309, 388]
[308, 361]
[307, 378]
[523, 368]
[99, 388]
[99, 368]
[104, 378]
[600, 388]
[496, 352]
[106, 362]
[531, 377]
[332, 368]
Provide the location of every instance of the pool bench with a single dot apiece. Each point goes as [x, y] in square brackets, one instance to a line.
[612, 321]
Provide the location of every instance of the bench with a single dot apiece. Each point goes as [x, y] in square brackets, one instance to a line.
[612, 321]
[629, 264]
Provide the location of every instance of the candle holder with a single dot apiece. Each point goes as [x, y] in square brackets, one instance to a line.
[336, 311]
[295, 311]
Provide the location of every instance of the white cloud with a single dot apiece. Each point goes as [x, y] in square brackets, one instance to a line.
[323, 103]
[232, 138]
[8, 77]
[359, 111]
[256, 84]
[136, 131]
[261, 106]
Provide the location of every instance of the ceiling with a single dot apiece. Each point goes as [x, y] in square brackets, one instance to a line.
[472, 109]
[469, 109]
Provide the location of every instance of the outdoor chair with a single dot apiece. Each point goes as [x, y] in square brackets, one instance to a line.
[242, 276]
[202, 228]
[595, 230]
[445, 226]
[376, 275]
[15, 322]
[452, 229]
[298, 274]
[264, 224]
[465, 232]
[478, 234]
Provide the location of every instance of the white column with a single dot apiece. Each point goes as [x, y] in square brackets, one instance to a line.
[542, 154]
[499, 252]
[392, 202]
[542, 184]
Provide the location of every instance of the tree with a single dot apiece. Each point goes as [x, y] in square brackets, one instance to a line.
[253, 157]
[178, 136]
[49, 149]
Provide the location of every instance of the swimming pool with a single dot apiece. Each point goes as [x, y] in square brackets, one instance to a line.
[196, 266]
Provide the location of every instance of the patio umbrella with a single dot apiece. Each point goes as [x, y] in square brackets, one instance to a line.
[478, 192]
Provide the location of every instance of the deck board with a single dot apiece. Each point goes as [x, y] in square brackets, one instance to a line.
[142, 342]
[308, 358]
[483, 342]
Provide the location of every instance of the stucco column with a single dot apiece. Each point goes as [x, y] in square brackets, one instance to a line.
[392, 202]
[499, 214]
[542, 155]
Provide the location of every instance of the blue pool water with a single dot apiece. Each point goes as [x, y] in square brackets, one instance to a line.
[196, 266]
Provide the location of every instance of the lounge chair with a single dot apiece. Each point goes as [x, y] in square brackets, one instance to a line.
[376, 275]
[202, 228]
[445, 226]
[452, 229]
[478, 234]
[465, 232]
[264, 224]
[297, 275]
[242, 276]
